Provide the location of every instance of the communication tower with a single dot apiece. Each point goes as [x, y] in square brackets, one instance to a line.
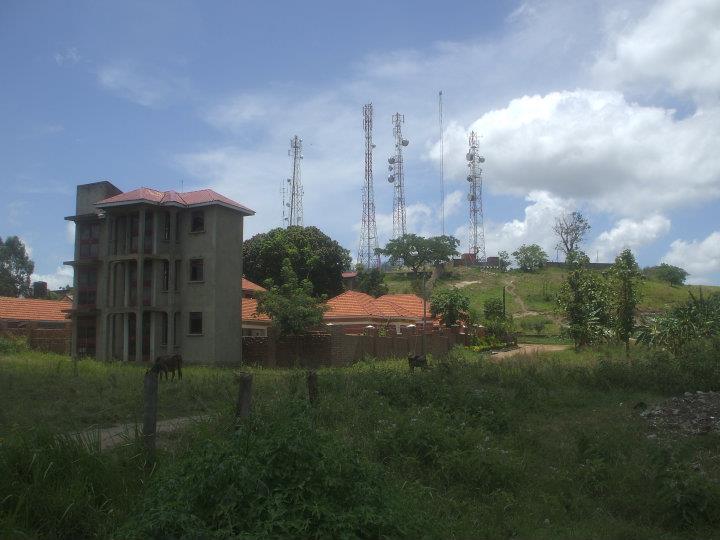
[397, 176]
[368, 230]
[442, 163]
[292, 192]
[477, 227]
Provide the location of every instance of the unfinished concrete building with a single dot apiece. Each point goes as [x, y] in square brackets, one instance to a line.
[157, 272]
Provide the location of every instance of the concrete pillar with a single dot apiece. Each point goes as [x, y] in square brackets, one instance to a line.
[126, 336]
[140, 280]
[126, 276]
[170, 331]
[153, 334]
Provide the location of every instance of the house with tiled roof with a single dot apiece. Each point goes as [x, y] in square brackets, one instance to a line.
[20, 312]
[155, 272]
[254, 324]
[353, 311]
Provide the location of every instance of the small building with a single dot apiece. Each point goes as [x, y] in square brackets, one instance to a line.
[254, 324]
[349, 280]
[156, 273]
[18, 313]
[354, 311]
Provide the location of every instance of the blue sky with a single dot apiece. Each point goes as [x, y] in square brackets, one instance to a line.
[612, 108]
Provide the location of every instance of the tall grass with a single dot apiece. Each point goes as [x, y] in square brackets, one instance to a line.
[532, 447]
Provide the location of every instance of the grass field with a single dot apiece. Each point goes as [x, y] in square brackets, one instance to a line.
[534, 447]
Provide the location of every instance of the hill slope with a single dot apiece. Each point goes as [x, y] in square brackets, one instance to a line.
[533, 295]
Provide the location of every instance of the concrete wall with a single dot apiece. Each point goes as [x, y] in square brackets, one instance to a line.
[89, 194]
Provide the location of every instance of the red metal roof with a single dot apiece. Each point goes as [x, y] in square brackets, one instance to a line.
[200, 197]
[32, 309]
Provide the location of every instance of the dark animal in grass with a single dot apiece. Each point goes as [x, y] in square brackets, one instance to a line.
[418, 361]
[169, 363]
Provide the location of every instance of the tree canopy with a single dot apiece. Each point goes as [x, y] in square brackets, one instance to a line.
[416, 252]
[371, 282]
[451, 305]
[311, 254]
[16, 268]
[530, 258]
[674, 275]
[291, 304]
[571, 230]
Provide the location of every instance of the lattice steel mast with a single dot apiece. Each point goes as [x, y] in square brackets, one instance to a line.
[293, 191]
[477, 227]
[397, 176]
[368, 229]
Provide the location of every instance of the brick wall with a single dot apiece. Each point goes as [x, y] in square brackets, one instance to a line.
[55, 340]
[340, 349]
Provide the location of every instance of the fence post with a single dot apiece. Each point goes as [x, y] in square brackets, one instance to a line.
[150, 394]
[244, 401]
[312, 384]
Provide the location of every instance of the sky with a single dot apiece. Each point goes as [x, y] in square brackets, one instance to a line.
[611, 108]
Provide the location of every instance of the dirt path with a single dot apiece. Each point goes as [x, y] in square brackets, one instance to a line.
[113, 436]
[528, 349]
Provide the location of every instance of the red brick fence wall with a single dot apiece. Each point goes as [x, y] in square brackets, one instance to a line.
[339, 349]
[55, 340]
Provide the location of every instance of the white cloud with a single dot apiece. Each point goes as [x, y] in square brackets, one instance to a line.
[595, 146]
[69, 55]
[535, 228]
[699, 257]
[677, 44]
[127, 81]
[454, 202]
[629, 233]
[62, 277]
[70, 232]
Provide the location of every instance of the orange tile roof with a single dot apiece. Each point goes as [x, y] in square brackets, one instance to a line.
[349, 304]
[200, 197]
[250, 314]
[248, 285]
[357, 305]
[32, 309]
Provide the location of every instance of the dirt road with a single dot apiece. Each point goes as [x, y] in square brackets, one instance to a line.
[529, 349]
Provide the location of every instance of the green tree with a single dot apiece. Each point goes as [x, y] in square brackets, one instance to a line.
[312, 255]
[371, 282]
[571, 230]
[583, 299]
[291, 304]
[674, 275]
[697, 319]
[493, 309]
[625, 278]
[416, 252]
[504, 261]
[16, 268]
[530, 258]
[451, 305]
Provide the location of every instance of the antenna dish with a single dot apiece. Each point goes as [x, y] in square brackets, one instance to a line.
[469, 178]
[471, 197]
[391, 160]
[482, 160]
[470, 156]
[391, 178]
[289, 180]
[405, 142]
[390, 167]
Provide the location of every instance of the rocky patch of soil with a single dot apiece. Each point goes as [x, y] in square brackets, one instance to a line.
[689, 414]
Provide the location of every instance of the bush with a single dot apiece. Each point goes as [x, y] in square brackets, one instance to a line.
[268, 480]
[13, 345]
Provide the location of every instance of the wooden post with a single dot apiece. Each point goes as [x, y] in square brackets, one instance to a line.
[150, 413]
[244, 401]
[312, 384]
